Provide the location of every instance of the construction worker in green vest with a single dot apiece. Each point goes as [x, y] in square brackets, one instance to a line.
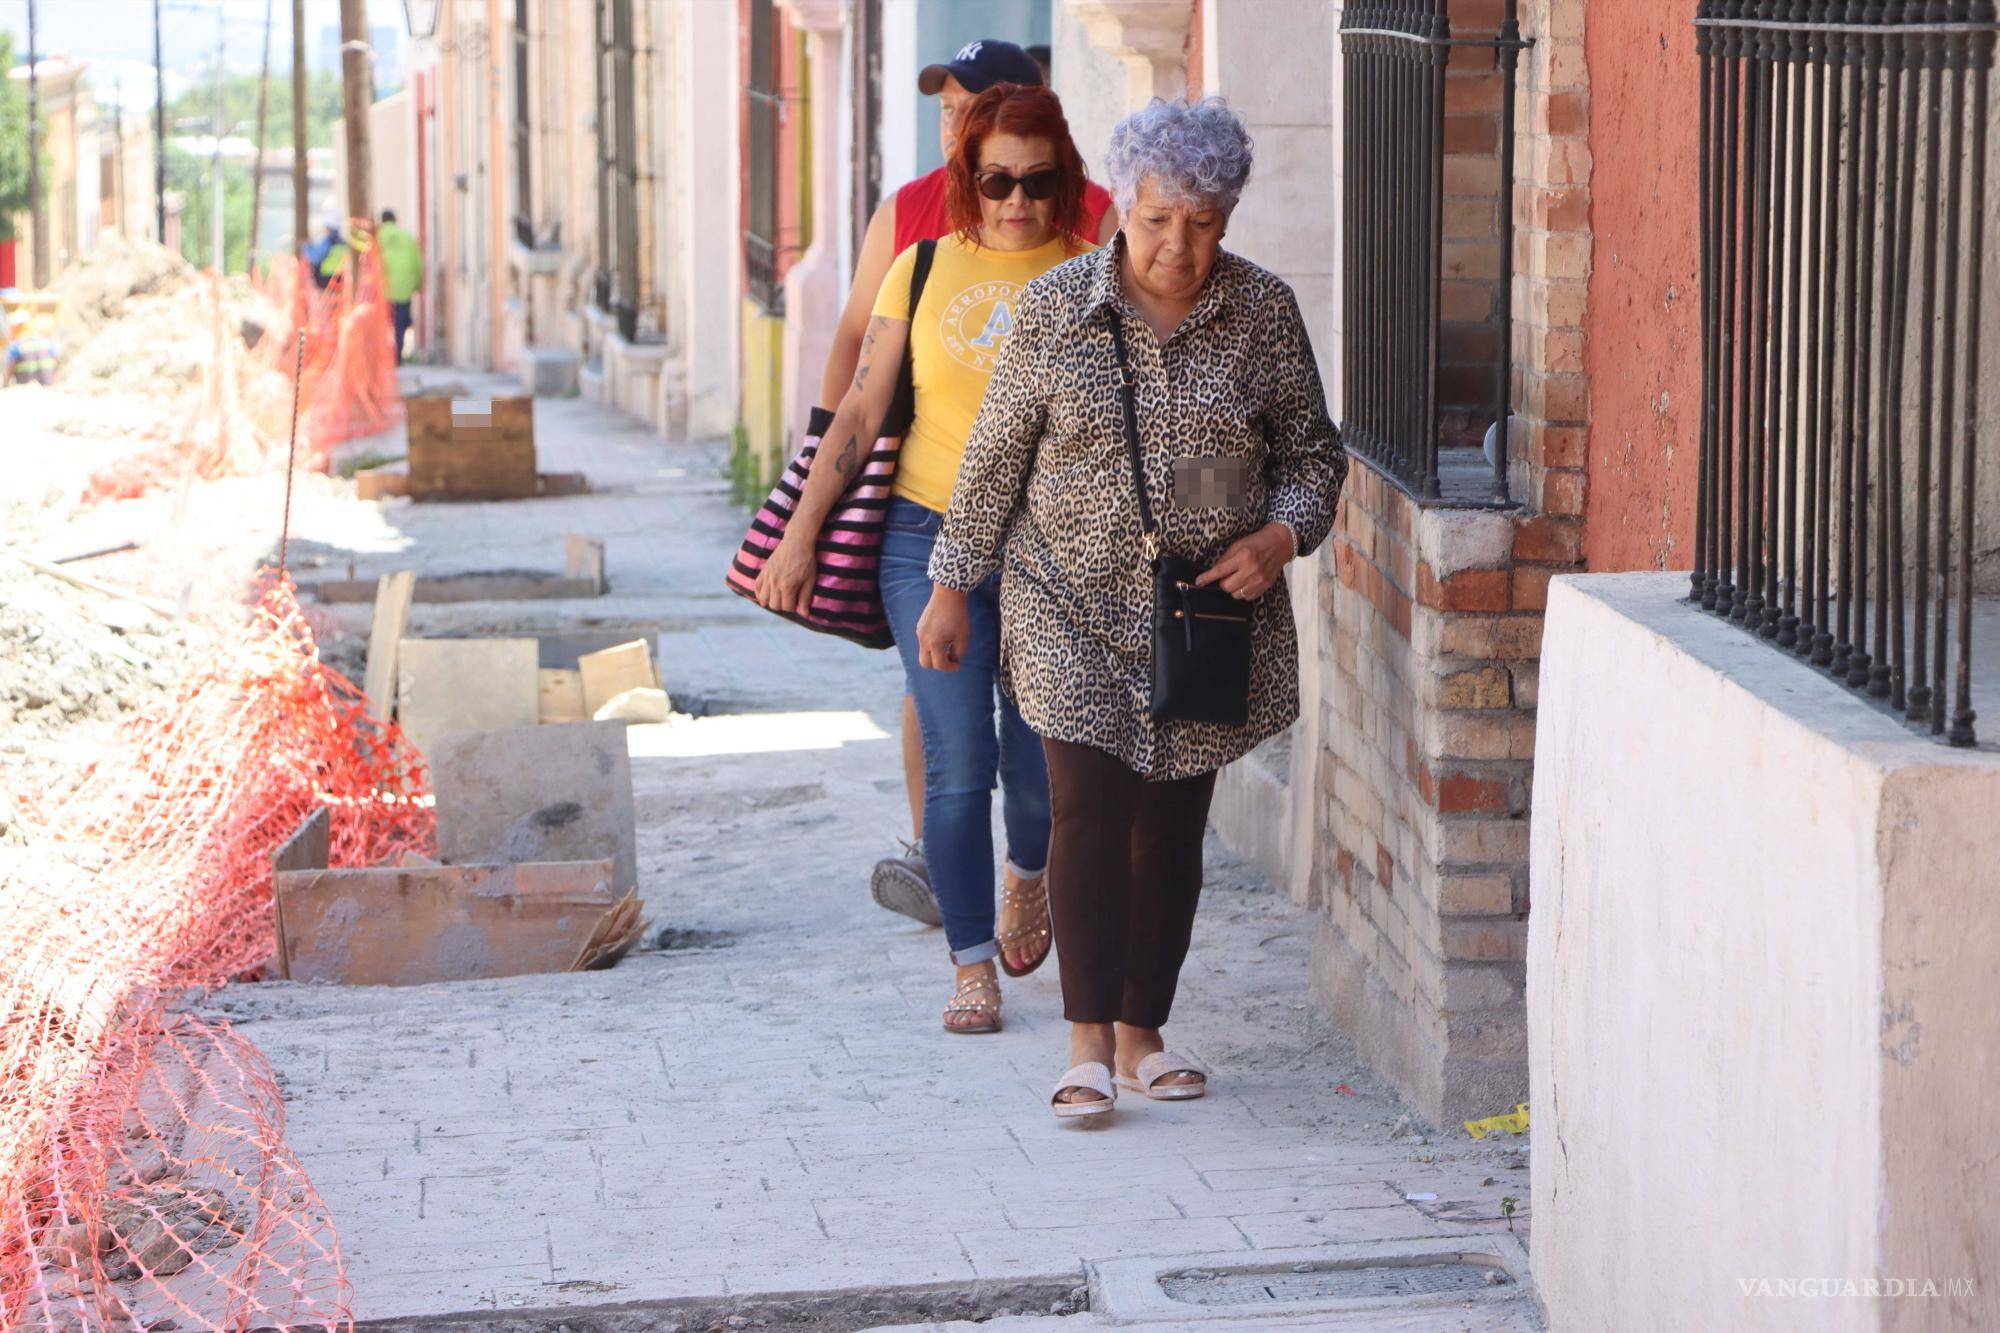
[402, 272]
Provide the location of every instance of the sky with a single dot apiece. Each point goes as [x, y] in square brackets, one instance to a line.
[106, 32]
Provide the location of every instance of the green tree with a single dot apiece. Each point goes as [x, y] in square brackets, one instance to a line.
[191, 176]
[13, 141]
[193, 110]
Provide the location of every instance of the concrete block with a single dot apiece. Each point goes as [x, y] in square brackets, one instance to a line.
[1449, 540]
[583, 558]
[448, 687]
[559, 793]
[550, 372]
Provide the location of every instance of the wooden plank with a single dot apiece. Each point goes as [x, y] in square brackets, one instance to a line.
[562, 696]
[461, 588]
[392, 617]
[472, 449]
[583, 558]
[405, 926]
[307, 849]
[612, 671]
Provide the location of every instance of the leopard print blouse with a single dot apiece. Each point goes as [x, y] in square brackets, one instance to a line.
[1046, 487]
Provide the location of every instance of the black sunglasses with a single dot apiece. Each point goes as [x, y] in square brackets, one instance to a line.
[998, 185]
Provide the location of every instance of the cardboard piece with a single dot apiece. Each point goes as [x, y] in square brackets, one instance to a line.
[556, 793]
[583, 558]
[404, 926]
[448, 687]
[392, 617]
[610, 672]
[472, 448]
[307, 849]
[562, 696]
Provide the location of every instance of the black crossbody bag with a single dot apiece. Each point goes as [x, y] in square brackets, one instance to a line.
[1201, 636]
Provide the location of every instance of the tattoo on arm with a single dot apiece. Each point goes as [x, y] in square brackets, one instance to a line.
[845, 463]
[867, 345]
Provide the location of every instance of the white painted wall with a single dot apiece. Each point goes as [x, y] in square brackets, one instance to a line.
[1091, 84]
[899, 93]
[706, 210]
[1761, 1044]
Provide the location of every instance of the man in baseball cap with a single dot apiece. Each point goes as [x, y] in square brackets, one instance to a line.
[979, 65]
[917, 213]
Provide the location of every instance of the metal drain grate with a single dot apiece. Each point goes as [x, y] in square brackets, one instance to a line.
[1376, 1282]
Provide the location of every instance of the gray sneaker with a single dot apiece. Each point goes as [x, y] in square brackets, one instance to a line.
[903, 885]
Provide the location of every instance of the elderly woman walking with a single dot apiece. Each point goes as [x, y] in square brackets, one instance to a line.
[1157, 412]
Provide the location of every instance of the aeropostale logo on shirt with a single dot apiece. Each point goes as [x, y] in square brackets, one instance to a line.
[975, 325]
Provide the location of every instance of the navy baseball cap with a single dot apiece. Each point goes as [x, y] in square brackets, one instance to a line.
[981, 64]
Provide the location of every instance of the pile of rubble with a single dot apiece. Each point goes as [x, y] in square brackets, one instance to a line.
[72, 664]
[135, 319]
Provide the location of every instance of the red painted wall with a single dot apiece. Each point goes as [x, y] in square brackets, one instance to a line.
[1642, 336]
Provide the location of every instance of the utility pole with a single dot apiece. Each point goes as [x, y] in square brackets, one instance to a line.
[301, 202]
[257, 171]
[39, 252]
[215, 255]
[159, 133]
[357, 80]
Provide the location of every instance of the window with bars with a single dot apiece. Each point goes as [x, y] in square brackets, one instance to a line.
[1415, 375]
[617, 285]
[1843, 208]
[764, 102]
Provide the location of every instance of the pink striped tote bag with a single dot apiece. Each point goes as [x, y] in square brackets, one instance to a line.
[846, 596]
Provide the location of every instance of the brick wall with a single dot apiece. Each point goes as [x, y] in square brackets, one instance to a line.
[1469, 317]
[1427, 656]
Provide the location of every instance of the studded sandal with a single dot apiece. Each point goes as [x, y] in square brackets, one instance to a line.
[1029, 895]
[976, 994]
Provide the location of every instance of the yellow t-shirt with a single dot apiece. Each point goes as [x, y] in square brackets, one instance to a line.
[964, 317]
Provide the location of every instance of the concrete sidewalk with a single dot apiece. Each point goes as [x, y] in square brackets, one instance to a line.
[773, 1107]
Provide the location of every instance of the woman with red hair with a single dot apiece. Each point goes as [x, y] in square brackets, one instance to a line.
[1016, 200]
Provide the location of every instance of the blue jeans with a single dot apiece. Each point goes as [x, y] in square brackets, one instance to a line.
[963, 753]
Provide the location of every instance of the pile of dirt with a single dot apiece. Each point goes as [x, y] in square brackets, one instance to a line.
[118, 272]
[136, 320]
[72, 664]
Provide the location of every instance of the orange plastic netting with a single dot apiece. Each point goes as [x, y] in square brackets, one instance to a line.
[144, 1176]
[241, 422]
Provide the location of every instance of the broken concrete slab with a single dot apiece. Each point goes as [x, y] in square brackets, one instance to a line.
[307, 849]
[556, 793]
[448, 687]
[610, 672]
[404, 926]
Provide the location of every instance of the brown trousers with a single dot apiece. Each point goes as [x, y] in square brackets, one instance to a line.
[1124, 878]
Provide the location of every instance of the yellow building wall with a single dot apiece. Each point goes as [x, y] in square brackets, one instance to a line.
[761, 449]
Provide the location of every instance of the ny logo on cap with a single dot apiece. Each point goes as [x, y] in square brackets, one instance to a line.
[969, 52]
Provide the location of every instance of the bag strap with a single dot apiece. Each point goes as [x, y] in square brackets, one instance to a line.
[1149, 534]
[903, 404]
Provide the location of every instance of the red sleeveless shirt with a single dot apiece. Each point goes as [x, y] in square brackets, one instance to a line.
[920, 209]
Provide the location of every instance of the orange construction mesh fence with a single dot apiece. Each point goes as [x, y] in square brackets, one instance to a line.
[345, 378]
[144, 1178]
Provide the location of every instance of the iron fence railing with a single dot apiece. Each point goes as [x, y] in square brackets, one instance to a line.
[1842, 196]
[1394, 55]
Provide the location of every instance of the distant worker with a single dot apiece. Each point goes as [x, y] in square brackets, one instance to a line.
[31, 355]
[402, 271]
[316, 252]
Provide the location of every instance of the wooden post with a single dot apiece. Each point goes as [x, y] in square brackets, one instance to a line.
[257, 168]
[357, 82]
[301, 195]
[38, 246]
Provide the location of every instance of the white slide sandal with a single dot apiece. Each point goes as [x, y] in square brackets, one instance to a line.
[1159, 1065]
[1091, 1076]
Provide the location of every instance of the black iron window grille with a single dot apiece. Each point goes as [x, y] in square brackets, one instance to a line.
[1843, 197]
[524, 195]
[1394, 55]
[617, 283]
[764, 103]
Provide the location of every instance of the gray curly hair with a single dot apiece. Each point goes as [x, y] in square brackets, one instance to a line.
[1196, 153]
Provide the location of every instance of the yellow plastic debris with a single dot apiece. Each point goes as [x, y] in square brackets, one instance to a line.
[1514, 1122]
